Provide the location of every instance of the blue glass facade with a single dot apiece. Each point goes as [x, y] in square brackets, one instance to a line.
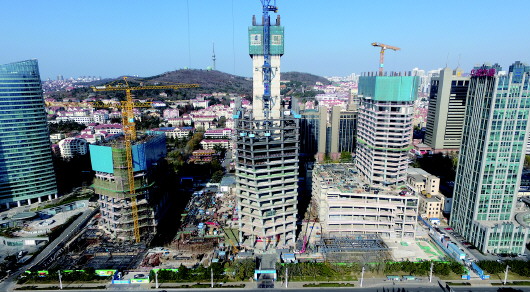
[26, 167]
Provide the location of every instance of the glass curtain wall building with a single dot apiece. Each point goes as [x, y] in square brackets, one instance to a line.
[490, 163]
[26, 167]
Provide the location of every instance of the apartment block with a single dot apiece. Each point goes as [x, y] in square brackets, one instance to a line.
[427, 187]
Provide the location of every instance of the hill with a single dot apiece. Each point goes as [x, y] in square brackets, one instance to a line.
[305, 78]
[210, 81]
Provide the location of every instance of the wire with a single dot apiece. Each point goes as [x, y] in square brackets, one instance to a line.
[233, 38]
[189, 35]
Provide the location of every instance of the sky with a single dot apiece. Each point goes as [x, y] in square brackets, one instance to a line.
[327, 38]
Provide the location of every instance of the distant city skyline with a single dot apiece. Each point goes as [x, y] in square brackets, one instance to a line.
[110, 39]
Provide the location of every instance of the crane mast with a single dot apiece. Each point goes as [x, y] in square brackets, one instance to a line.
[266, 68]
[382, 54]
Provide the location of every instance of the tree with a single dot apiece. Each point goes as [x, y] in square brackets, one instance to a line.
[527, 160]
[345, 156]
[217, 176]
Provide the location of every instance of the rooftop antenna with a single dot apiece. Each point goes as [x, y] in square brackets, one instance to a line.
[213, 55]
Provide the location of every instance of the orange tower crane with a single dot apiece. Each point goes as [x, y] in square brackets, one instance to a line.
[382, 55]
[129, 131]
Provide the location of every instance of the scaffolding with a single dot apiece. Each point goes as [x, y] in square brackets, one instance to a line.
[364, 248]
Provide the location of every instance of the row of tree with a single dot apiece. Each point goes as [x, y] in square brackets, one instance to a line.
[423, 268]
[519, 267]
[185, 274]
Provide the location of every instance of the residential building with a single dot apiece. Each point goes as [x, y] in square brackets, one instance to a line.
[384, 127]
[266, 157]
[218, 133]
[26, 167]
[211, 143]
[346, 206]
[447, 107]
[490, 162]
[71, 147]
[427, 187]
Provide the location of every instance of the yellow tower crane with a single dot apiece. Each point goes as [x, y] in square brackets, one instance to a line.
[382, 54]
[129, 131]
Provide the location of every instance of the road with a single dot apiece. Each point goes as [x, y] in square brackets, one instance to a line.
[67, 234]
[382, 289]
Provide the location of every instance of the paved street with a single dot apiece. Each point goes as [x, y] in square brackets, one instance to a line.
[382, 289]
[67, 234]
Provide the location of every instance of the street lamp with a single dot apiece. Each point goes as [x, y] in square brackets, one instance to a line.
[362, 276]
[506, 274]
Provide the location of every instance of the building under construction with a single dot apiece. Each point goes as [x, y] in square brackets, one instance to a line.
[111, 183]
[267, 142]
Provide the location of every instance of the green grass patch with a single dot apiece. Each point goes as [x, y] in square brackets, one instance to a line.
[57, 288]
[202, 286]
[329, 285]
[231, 236]
[518, 283]
[458, 283]
[321, 278]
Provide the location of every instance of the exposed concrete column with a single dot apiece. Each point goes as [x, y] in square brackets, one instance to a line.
[18, 204]
[55, 196]
[8, 205]
[39, 200]
[50, 197]
[29, 201]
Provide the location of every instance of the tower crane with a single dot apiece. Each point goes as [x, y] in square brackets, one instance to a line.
[382, 54]
[266, 68]
[129, 131]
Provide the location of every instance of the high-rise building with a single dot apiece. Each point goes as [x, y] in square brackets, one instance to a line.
[490, 162]
[313, 131]
[327, 133]
[384, 127]
[111, 184]
[26, 167]
[447, 106]
[346, 127]
[267, 145]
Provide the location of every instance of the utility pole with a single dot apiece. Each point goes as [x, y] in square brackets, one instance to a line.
[211, 275]
[506, 274]
[362, 277]
[156, 280]
[61, 282]
[286, 277]
[430, 274]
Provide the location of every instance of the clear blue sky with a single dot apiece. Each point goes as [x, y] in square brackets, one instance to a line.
[332, 37]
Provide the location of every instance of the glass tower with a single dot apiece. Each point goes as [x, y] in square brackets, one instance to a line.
[26, 167]
[490, 162]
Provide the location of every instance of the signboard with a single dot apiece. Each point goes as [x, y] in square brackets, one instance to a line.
[42, 273]
[483, 72]
[255, 39]
[105, 273]
[140, 281]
